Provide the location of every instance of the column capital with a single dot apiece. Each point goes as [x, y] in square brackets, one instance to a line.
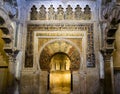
[106, 55]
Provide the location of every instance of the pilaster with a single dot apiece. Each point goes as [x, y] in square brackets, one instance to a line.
[108, 86]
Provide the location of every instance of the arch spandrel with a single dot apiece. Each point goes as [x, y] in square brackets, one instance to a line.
[59, 46]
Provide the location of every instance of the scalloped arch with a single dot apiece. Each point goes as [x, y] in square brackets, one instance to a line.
[5, 17]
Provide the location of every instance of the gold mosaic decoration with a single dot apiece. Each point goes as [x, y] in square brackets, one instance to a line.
[61, 27]
[59, 46]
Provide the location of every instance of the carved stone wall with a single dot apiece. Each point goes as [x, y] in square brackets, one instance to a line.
[29, 83]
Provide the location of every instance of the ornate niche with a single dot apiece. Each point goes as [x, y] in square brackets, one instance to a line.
[42, 13]
[60, 13]
[69, 13]
[51, 13]
[33, 13]
[90, 57]
[78, 13]
[87, 13]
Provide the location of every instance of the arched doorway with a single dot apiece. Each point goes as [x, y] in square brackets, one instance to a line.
[60, 75]
[59, 65]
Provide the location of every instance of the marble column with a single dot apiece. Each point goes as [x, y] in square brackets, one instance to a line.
[11, 76]
[102, 75]
[108, 75]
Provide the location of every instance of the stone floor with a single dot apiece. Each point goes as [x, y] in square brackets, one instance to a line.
[60, 90]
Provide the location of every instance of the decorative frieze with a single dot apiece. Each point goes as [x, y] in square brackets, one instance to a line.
[60, 14]
[59, 27]
[60, 34]
[29, 51]
[90, 48]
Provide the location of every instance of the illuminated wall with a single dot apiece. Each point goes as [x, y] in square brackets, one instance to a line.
[60, 81]
[60, 76]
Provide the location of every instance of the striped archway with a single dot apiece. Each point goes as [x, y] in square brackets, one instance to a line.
[57, 46]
